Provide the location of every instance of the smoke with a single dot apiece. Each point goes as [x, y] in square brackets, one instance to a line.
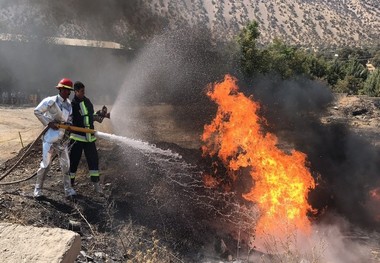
[97, 20]
[329, 242]
[343, 162]
[338, 242]
[172, 69]
[33, 66]
[37, 67]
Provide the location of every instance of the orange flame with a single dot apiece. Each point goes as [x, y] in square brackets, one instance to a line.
[374, 203]
[209, 181]
[281, 181]
[375, 194]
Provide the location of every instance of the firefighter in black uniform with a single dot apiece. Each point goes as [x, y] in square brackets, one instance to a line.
[84, 116]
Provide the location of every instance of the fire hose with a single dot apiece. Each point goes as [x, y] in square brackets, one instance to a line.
[21, 158]
[75, 128]
[61, 126]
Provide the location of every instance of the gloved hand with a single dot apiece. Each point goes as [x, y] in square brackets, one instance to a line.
[101, 114]
[105, 112]
[52, 125]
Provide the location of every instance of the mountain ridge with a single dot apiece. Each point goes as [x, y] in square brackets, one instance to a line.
[312, 24]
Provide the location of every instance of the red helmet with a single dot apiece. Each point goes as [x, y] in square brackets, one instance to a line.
[65, 83]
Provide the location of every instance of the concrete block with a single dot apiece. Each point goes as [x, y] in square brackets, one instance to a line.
[37, 244]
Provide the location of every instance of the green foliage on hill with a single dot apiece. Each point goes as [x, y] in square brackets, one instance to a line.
[372, 84]
[250, 58]
[344, 69]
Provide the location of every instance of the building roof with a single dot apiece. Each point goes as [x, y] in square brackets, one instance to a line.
[62, 41]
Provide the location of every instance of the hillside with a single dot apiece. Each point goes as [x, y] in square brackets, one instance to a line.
[307, 23]
[156, 208]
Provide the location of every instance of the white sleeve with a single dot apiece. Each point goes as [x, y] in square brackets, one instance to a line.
[41, 109]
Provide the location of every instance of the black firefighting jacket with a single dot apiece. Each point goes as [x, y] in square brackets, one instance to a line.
[83, 116]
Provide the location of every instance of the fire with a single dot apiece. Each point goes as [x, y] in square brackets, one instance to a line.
[281, 180]
[210, 181]
[375, 194]
[373, 203]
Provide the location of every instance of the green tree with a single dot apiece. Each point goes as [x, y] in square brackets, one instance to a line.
[250, 57]
[317, 67]
[376, 59]
[349, 84]
[349, 76]
[372, 84]
[287, 61]
[347, 53]
[335, 71]
[354, 68]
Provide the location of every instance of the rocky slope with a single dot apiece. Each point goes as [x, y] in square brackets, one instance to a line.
[307, 23]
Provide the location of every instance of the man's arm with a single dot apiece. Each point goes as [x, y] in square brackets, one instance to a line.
[41, 109]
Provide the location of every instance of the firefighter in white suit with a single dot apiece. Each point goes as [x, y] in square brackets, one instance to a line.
[50, 111]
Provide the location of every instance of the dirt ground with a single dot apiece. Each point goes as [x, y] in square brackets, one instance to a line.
[118, 225]
[133, 220]
[361, 113]
[18, 127]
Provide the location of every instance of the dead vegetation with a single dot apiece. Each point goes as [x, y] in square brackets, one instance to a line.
[153, 210]
[106, 223]
[150, 212]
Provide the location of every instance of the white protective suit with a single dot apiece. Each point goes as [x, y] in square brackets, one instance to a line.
[54, 109]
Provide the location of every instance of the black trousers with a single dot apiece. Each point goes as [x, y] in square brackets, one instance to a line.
[92, 158]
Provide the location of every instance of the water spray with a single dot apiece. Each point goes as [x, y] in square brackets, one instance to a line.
[137, 144]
